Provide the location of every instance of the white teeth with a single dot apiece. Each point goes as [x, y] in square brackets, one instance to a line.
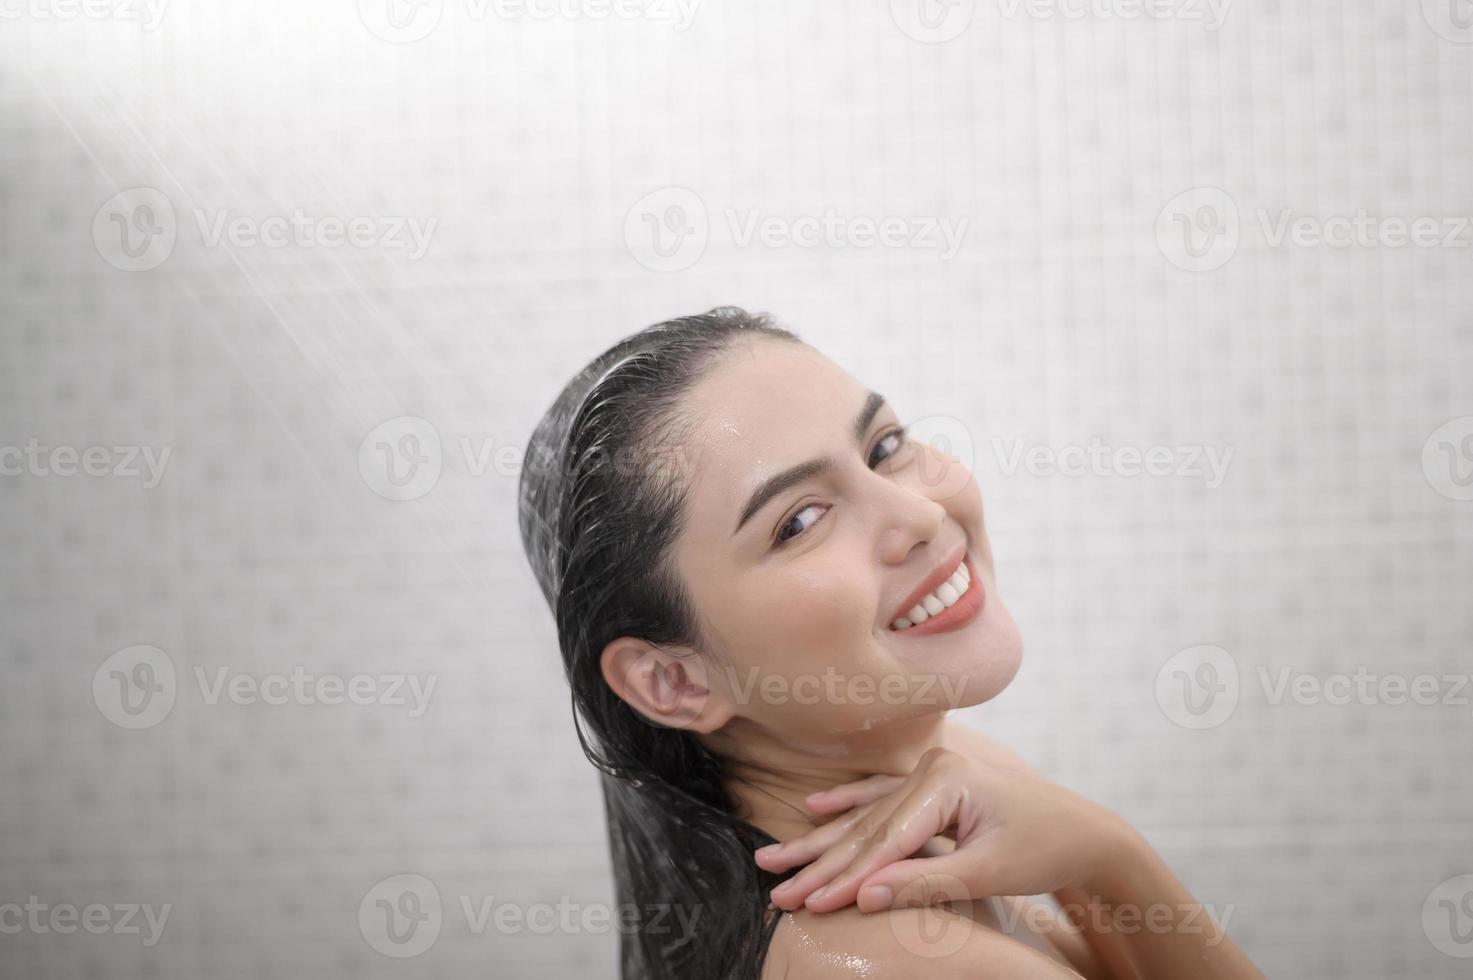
[946, 594]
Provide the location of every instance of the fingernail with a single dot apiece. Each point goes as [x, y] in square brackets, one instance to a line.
[821, 894]
[876, 896]
[768, 849]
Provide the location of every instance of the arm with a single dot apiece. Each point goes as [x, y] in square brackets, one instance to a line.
[1106, 939]
[1016, 834]
[1143, 922]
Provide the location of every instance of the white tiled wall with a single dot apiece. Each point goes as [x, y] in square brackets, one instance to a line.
[525, 147]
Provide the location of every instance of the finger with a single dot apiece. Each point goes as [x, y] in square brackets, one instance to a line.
[858, 793]
[791, 893]
[918, 818]
[961, 875]
[801, 850]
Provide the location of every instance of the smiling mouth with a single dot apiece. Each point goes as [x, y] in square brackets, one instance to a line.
[951, 605]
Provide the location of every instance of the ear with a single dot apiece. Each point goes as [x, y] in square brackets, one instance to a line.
[669, 687]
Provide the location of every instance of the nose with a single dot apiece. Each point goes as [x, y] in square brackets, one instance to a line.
[907, 519]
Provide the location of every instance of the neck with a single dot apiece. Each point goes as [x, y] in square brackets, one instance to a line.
[770, 776]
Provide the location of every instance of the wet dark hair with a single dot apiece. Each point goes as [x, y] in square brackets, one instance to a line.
[598, 513]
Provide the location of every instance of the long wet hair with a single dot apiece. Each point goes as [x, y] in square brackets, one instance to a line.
[598, 527]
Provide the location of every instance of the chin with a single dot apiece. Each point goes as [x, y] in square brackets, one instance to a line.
[993, 655]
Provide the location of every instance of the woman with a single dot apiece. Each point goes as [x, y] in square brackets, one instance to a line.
[764, 591]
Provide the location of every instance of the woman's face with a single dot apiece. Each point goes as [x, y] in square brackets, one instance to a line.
[796, 585]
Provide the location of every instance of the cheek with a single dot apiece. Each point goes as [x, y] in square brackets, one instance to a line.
[812, 619]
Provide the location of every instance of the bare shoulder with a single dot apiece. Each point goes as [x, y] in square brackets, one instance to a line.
[961, 737]
[902, 943]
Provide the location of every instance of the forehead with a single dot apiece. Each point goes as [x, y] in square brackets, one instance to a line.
[765, 406]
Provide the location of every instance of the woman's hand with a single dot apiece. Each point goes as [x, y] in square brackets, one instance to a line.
[1016, 833]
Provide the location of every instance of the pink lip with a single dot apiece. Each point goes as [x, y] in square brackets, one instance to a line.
[958, 614]
[939, 574]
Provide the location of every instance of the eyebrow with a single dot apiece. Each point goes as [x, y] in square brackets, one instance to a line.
[794, 475]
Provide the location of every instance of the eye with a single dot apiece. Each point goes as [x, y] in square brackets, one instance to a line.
[894, 439]
[790, 522]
